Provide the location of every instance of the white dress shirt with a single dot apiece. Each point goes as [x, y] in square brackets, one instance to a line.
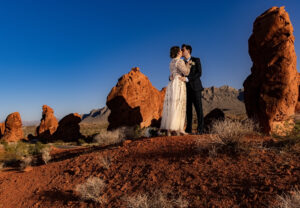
[187, 60]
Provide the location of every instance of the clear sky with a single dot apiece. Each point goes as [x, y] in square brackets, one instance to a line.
[69, 54]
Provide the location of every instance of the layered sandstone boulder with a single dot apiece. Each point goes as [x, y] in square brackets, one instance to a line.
[134, 101]
[2, 129]
[271, 91]
[68, 128]
[13, 128]
[48, 123]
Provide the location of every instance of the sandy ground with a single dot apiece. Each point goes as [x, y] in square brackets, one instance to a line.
[173, 165]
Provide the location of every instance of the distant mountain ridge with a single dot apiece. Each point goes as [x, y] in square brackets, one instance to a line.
[227, 98]
[97, 116]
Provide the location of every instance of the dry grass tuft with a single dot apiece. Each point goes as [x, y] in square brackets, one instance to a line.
[289, 201]
[289, 143]
[110, 137]
[14, 153]
[105, 138]
[1, 165]
[155, 200]
[25, 162]
[227, 135]
[46, 154]
[232, 131]
[138, 201]
[105, 161]
[92, 190]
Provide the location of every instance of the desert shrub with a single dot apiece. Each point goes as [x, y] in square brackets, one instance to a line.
[37, 148]
[291, 142]
[119, 135]
[226, 135]
[14, 153]
[25, 162]
[137, 132]
[46, 154]
[289, 200]
[138, 201]
[105, 161]
[155, 200]
[284, 129]
[110, 137]
[81, 141]
[151, 132]
[92, 190]
[1, 165]
[230, 131]
[212, 146]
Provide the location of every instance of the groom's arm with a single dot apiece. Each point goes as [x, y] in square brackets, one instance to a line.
[198, 70]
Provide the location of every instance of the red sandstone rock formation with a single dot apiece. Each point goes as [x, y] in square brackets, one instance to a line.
[13, 128]
[271, 91]
[48, 123]
[2, 129]
[134, 101]
[297, 109]
[68, 128]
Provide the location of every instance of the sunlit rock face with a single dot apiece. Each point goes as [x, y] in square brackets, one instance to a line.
[271, 90]
[135, 102]
[48, 123]
[297, 109]
[13, 128]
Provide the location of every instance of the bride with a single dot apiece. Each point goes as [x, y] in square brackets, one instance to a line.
[174, 109]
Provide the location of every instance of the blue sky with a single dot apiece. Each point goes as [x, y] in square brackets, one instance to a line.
[69, 54]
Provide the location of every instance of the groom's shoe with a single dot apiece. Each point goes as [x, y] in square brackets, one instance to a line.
[189, 131]
[199, 132]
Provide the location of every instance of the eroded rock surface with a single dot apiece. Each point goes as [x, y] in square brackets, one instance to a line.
[13, 128]
[271, 91]
[134, 101]
[48, 123]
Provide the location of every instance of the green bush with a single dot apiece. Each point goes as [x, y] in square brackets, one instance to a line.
[14, 152]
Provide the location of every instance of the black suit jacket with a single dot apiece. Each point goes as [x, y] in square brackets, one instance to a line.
[194, 81]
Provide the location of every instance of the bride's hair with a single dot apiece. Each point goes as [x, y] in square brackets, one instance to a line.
[174, 51]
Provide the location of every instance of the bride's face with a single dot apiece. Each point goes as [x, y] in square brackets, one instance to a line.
[180, 53]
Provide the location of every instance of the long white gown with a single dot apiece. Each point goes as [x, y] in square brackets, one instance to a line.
[174, 109]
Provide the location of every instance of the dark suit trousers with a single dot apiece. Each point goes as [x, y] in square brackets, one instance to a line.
[194, 98]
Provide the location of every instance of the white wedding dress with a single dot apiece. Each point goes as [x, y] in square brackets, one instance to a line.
[174, 109]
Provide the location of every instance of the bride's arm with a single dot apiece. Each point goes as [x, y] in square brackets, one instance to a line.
[184, 69]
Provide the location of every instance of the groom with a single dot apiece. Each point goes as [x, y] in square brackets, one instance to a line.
[193, 88]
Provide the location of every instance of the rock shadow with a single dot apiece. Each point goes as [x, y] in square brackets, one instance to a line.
[59, 195]
[122, 114]
[176, 154]
[69, 129]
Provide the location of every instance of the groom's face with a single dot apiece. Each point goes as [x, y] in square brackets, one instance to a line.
[185, 52]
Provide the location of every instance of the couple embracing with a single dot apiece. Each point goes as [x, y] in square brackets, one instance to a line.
[183, 91]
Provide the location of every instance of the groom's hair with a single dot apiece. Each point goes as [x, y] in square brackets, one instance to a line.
[188, 47]
[174, 51]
